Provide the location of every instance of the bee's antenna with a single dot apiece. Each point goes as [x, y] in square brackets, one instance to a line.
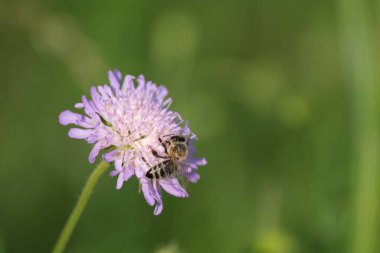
[168, 135]
[188, 137]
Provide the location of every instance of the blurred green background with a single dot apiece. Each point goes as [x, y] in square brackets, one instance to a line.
[283, 95]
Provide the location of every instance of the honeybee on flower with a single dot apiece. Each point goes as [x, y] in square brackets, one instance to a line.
[137, 132]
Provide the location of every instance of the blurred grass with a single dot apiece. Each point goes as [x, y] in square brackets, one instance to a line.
[282, 95]
[357, 40]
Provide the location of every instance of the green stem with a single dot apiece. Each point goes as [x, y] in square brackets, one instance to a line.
[78, 209]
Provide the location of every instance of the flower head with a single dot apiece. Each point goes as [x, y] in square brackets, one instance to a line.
[130, 123]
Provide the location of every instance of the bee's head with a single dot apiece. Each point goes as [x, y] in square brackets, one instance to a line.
[181, 150]
[177, 147]
[177, 138]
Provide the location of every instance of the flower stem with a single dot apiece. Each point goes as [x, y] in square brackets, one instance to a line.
[78, 209]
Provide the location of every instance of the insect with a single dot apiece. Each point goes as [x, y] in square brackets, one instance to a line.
[176, 150]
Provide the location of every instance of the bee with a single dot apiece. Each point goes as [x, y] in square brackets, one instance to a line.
[176, 150]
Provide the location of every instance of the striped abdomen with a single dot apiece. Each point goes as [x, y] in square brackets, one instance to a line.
[161, 170]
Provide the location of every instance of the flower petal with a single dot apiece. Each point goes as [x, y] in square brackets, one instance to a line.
[157, 191]
[118, 165]
[108, 90]
[157, 195]
[193, 177]
[141, 81]
[102, 92]
[128, 83]
[78, 105]
[173, 187]
[138, 165]
[162, 92]
[139, 172]
[88, 109]
[95, 95]
[120, 181]
[158, 208]
[128, 172]
[77, 133]
[111, 156]
[114, 173]
[114, 81]
[95, 152]
[118, 74]
[68, 117]
[199, 161]
[147, 190]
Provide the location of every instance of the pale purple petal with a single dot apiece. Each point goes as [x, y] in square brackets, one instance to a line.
[168, 102]
[128, 82]
[139, 172]
[141, 80]
[111, 156]
[108, 90]
[118, 75]
[68, 117]
[173, 187]
[79, 106]
[102, 92]
[158, 208]
[114, 81]
[147, 190]
[162, 92]
[198, 161]
[77, 133]
[157, 195]
[120, 181]
[119, 165]
[88, 109]
[114, 173]
[128, 172]
[93, 138]
[94, 152]
[95, 94]
[193, 177]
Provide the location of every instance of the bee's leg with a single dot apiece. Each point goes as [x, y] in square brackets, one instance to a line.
[163, 145]
[154, 152]
[143, 158]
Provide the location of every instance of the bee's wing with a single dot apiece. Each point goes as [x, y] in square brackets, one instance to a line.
[183, 181]
[180, 174]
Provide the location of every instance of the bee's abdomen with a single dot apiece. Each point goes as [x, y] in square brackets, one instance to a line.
[161, 170]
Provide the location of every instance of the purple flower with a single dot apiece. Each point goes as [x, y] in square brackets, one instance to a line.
[127, 122]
